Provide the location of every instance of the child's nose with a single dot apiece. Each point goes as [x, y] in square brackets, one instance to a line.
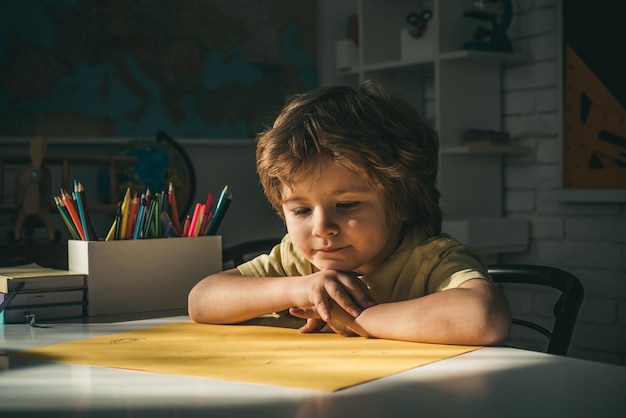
[324, 224]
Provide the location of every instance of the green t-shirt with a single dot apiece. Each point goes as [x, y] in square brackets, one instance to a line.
[417, 268]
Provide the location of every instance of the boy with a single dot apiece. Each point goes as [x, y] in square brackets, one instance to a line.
[353, 175]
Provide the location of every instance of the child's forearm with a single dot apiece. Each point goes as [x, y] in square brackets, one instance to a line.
[468, 316]
[228, 297]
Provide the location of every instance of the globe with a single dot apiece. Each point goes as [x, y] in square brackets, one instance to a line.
[159, 164]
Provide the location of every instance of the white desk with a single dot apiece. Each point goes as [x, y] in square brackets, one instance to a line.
[490, 382]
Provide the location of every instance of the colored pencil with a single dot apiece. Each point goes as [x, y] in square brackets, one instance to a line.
[81, 211]
[186, 226]
[220, 212]
[66, 218]
[168, 225]
[82, 195]
[118, 222]
[70, 205]
[206, 222]
[111, 234]
[125, 213]
[148, 223]
[140, 217]
[174, 205]
[194, 220]
[132, 216]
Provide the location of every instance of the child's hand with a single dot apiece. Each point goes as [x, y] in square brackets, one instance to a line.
[312, 324]
[340, 321]
[321, 289]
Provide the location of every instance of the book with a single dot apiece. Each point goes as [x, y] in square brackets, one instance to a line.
[44, 298]
[35, 277]
[44, 292]
[44, 305]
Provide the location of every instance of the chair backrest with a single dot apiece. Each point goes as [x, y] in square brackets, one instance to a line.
[565, 309]
[237, 254]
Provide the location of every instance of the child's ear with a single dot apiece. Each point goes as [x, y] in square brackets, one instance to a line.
[404, 216]
[399, 220]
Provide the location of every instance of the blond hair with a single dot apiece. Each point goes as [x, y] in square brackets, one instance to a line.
[370, 131]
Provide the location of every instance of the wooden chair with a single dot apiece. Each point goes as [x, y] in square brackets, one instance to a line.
[565, 309]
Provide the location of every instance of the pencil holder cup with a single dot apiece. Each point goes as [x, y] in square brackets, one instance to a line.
[147, 275]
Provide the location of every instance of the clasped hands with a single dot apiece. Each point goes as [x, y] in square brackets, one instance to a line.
[333, 298]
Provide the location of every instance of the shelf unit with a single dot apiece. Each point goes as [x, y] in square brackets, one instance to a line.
[456, 89]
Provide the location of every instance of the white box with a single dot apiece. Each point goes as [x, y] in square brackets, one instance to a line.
[346, 54]
[131, 276]
[412, 48]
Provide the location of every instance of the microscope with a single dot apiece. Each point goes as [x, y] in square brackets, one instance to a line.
[496, 38]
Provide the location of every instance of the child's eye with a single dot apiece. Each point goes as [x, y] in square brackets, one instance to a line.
[301, 211]
[348, 205]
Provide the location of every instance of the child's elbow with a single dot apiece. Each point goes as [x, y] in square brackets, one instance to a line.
[496, 324]
[495, 331]
[191, 311]
[193, 307]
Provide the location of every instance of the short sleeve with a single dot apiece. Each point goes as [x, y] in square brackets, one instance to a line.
[282, 260]
[454, 266]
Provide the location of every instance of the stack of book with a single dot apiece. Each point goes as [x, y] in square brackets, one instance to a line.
[47, 293]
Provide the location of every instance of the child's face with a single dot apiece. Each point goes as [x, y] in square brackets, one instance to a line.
[337, 221]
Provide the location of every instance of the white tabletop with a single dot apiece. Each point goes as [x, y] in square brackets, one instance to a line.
[490, 382]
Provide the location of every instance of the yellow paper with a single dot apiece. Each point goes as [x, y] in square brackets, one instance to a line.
[250, 353]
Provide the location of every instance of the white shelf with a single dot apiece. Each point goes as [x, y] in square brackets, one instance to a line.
[502, 57]
[458, 88]
[393, 65]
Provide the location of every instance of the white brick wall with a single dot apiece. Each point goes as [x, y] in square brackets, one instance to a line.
[585, 238]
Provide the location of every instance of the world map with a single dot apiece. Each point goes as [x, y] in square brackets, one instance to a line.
[193, 68]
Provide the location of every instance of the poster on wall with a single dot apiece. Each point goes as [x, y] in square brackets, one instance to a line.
[594, 95]
[193, 68]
